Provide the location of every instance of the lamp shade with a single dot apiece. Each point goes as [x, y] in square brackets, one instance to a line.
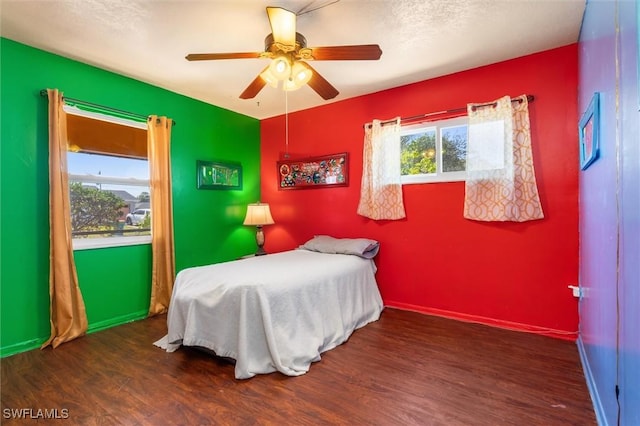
[258, 214]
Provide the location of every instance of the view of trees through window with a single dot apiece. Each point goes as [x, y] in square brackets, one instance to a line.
[418, 153]
[93, 209]
[454, 148]
[109, 196]
[437, 150]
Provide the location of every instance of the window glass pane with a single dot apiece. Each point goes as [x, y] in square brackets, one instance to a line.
[435, 151]
[418, 152]
[454, 148]
[102, 202]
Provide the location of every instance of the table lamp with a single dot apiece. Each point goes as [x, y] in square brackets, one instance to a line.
[258, 214]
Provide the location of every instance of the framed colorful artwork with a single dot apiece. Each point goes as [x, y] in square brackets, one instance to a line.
[314, 172]
[589, 133]
[218, 175]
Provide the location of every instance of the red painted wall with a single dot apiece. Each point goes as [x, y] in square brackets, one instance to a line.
[435, 261]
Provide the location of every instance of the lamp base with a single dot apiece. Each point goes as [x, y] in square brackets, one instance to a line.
[260, 241]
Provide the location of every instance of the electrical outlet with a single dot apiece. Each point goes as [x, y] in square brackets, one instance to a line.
[577, 291]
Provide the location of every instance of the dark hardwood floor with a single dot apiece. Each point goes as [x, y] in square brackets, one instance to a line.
[405, 369]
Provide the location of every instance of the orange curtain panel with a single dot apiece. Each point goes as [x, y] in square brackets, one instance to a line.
[68, 317]
[162, 243]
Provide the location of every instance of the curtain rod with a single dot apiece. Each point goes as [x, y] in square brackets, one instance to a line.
[530, 99]
[43, 92]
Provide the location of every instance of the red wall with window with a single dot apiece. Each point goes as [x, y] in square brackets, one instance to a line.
[435, 261]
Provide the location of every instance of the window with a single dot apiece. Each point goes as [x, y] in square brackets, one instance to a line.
[108, 180]
[434, 152]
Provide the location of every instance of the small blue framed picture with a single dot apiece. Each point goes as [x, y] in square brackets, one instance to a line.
[589, 132]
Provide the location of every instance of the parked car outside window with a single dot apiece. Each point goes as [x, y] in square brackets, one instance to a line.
[137, 217]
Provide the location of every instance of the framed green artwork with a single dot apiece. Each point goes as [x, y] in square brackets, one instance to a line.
[218, 175]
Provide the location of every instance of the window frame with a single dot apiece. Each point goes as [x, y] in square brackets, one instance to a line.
[438, 177]
[113, 241]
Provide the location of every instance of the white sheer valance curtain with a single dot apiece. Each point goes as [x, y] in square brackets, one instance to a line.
[501, 183]
[381, 188]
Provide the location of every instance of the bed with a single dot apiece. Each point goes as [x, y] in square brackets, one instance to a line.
[277, 312]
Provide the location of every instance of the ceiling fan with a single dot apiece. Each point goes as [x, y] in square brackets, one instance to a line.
[288, 52]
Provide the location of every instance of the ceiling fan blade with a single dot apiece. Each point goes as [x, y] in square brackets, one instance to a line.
[346, 53]
[254, 88]
[283, 26]
[321, 86]
[214, 56]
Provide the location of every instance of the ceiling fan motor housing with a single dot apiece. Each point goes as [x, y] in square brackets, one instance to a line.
[271, 46]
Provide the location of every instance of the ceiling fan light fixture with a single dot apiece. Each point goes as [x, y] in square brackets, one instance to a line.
[290, 85]
[280, 67]
[269, 78]
[300, 75]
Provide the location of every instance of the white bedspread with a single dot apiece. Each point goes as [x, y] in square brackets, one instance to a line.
[277, 312]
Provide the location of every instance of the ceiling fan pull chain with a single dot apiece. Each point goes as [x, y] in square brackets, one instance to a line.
[286, 124]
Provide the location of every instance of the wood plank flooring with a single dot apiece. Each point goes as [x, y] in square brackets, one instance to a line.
[405, 369]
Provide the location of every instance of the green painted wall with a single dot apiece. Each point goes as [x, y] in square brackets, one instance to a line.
[120, 280]
[115, 282]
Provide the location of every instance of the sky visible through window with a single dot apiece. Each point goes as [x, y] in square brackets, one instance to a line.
[82, 163]
[456, 132]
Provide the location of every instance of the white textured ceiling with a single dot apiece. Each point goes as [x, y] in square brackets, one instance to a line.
[420, 39]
